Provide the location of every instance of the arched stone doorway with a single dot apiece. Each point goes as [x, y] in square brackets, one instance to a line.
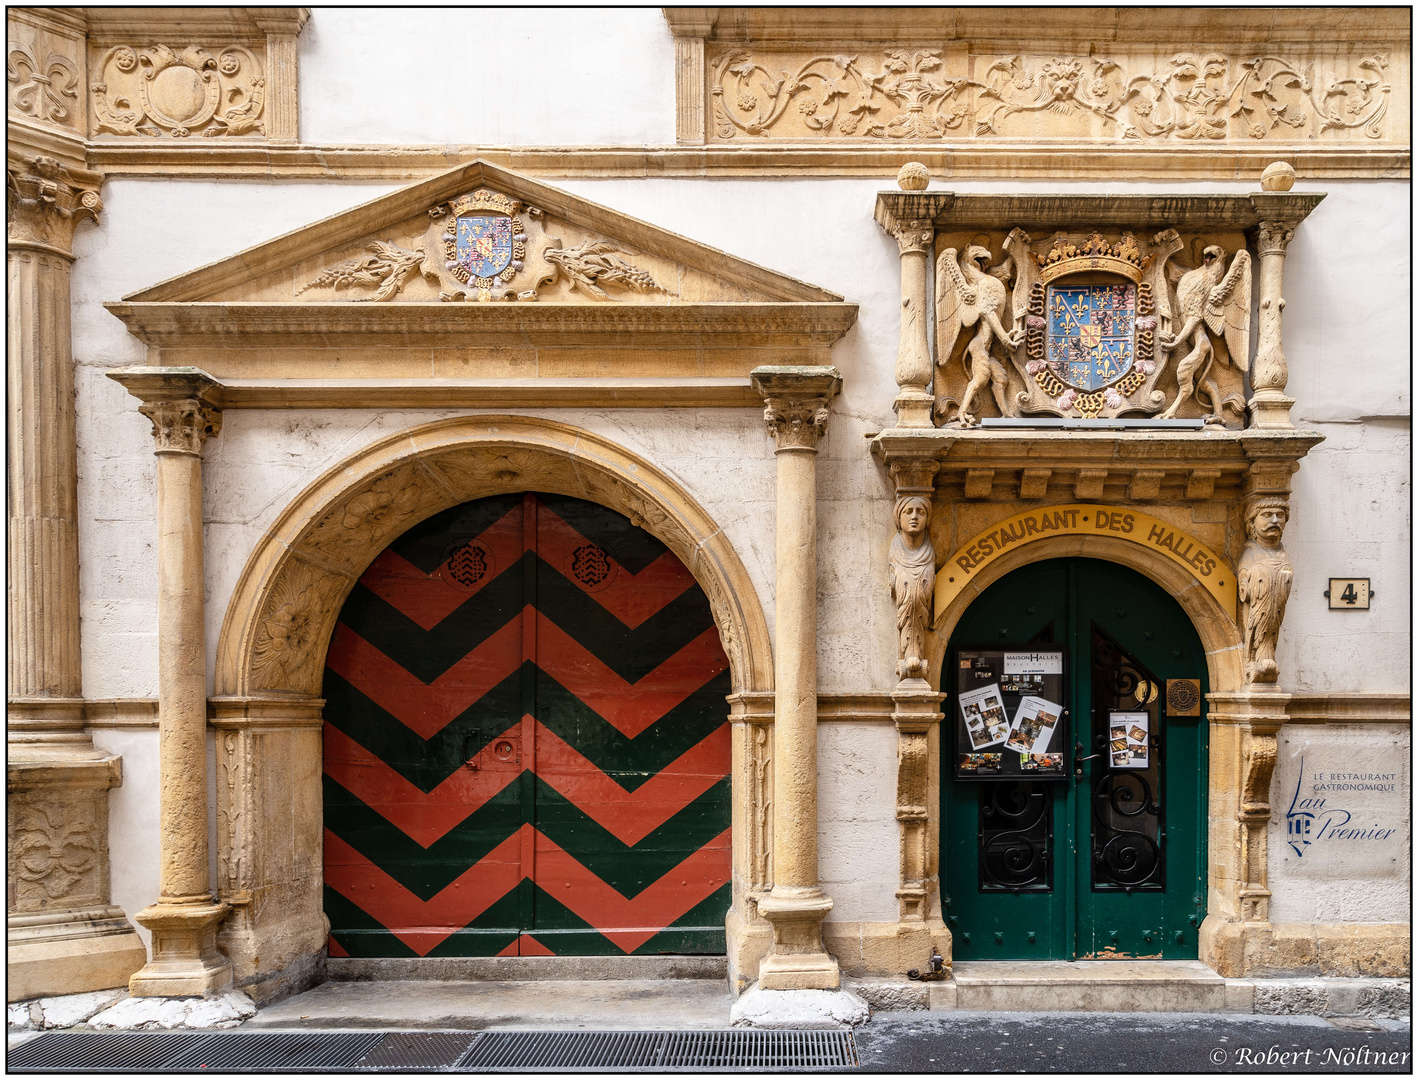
[272, 651]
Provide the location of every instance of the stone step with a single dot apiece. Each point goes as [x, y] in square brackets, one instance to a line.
[525, 968]
[1092, 986]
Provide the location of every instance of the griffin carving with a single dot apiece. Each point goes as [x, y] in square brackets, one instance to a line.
[1211, 300]
[1263, 586]
[967, 295]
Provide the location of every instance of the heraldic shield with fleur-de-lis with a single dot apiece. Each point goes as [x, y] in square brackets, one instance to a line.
[1090, 333]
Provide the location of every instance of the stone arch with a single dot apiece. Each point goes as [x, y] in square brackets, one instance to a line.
[281, 615]
[1218, 632]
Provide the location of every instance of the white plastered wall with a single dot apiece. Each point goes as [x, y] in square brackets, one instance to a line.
[392, 76]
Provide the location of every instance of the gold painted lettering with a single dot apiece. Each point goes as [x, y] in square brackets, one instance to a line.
[966, 563]
[1155, 535]
[1030, 526]
[1127, 523]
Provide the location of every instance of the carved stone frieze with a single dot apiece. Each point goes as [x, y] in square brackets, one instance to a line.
[46, 200]
[385, 269]
[55, 852]
[1263, 578]
[593, 264]
[955, 92]
[160, 90]
[182, 426]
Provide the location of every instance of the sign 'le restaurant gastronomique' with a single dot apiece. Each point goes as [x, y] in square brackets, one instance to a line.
[1084, 519]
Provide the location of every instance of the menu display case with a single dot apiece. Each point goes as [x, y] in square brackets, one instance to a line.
[1011, 720]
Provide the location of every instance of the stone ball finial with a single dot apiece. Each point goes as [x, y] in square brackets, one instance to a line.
[1278, 176]
[913, 177]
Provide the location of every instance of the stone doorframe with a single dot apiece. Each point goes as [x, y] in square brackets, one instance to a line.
[271, 656]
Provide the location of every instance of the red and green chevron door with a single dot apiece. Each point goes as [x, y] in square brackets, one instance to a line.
[526, 742]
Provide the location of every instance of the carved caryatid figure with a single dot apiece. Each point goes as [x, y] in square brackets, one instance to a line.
[912, 564]
[1211, 300]
[1263, 586]
[965, 295]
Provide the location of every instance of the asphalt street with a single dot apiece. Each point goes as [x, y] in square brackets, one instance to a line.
[967, 1042]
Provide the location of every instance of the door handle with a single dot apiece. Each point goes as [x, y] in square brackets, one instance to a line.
[1079, 759]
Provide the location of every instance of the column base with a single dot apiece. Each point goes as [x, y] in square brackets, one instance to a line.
[70, 952]
[913, 409]
[798, 960]
[1271, 409]
[186, 961]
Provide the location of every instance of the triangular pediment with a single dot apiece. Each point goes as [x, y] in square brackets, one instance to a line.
[479, 233]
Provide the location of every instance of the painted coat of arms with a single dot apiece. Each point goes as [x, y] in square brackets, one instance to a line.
[484, 242]
[1086, 329]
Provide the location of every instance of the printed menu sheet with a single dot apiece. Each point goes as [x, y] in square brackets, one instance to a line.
[1034, 724]
[985, 718]
[1127, 739]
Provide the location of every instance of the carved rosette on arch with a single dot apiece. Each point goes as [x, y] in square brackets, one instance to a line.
[1263, 578]
[182, 426]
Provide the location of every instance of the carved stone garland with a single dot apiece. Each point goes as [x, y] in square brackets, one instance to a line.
[1089, 328]
[485, 246]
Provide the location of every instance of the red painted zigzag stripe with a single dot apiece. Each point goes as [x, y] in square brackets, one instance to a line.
[628, 816]
[422, 925]
[428, 599]
[426, 708]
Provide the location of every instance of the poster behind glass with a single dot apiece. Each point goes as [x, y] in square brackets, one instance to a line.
[1010, 720]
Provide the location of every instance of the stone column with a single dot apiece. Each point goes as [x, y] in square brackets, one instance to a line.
[797, 399]
[1279, 214]
[63, 934]
[185, 960]
[913, 355]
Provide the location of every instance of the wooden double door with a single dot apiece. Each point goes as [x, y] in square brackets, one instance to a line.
[526, 744]
[1107, 862]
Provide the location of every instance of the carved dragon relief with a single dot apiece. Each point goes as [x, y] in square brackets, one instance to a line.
[486, 246]
[934, 93]
[1089, 326]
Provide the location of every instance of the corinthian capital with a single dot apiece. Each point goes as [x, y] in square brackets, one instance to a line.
[913, 236]
[795, 403]
[181, 427]
[1273, 237]
[182, 403]
[46, 200]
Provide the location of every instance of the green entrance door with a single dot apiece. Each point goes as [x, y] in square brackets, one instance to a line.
[1108, 862]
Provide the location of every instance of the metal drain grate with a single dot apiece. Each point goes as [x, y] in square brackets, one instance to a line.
[591, 1051]
[228, 1051]
[85, 1051]
[277, 1051]
[417, 1050]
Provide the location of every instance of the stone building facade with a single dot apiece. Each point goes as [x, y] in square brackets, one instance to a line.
[825, 328]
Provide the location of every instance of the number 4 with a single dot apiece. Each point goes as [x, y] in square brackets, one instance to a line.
[1349, 596]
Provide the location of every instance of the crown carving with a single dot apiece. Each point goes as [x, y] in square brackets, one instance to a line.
[484, 199]
[1095, 253]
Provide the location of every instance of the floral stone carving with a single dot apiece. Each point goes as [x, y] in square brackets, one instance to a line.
[1080, 332]
[387, 268]
[936, 93]
[159, 92]
[54, 853]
